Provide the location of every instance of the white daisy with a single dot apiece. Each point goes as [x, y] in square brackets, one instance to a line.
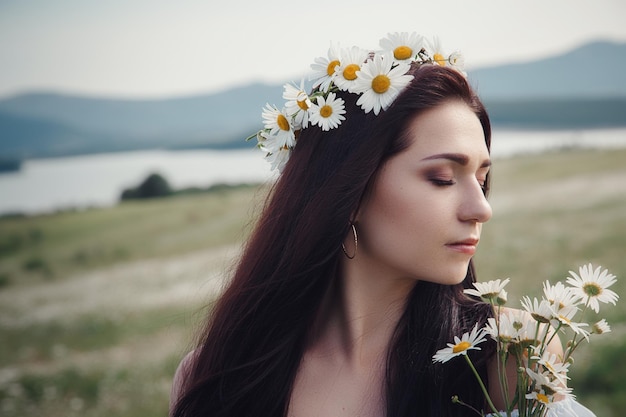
[591, 285]
[490, 290]
[601, 327]
[379, 84]
[457, 60]
[552, 364]
[547, 400]
[324, 69]
[513, 327]
[297, 105]
[546, 388]
[540, 311]
[527, 334]
[564, 318]
[502, 298]
[436, 52]
[279, 126]
[403, 45]
[328, 112]
[269, 143]
[506, 329]
[468, 341]
[350, 63]
[560, 296]
[278, 159]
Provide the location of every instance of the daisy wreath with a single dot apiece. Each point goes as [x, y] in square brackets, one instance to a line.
[377, 77]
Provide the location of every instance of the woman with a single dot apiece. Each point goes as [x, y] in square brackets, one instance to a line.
[354, 275]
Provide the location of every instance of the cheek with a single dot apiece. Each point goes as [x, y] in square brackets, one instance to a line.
[400, 222]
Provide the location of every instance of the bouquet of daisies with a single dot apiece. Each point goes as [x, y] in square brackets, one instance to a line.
[523, 336]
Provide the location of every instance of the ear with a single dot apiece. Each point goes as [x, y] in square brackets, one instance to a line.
[354, 216]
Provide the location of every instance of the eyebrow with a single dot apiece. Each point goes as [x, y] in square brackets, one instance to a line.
[456, 157]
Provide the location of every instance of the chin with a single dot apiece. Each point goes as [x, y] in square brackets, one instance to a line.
[455, 276]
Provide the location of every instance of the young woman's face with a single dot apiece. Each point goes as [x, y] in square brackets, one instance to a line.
[423, 217]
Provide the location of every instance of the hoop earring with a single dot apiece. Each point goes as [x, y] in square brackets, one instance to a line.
[356, 243]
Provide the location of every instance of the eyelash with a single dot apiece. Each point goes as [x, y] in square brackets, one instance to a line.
[445, 183]
[442, 183]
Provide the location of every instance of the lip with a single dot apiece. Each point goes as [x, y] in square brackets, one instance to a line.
[466, 246]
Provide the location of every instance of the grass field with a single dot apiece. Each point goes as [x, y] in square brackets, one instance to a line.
[98, 306]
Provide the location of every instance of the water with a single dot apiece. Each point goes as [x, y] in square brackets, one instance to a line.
[45, 185]
[514, 142]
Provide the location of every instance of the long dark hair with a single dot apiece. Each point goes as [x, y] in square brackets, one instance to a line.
[250, 351]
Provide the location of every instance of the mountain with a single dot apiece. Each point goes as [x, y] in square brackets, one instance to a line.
[585, 87]
[47, 124]
[594, 70]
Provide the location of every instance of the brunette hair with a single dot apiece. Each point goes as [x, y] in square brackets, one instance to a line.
[249, 353]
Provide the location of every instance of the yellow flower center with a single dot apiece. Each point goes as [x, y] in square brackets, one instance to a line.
[402, 52]
[592, 289]
[380, 84]
[302, 104]
[440, 59]
[461, 346]
[349, 72]
[326, 111]
[330, 69]
[282, 122]
[543, 398]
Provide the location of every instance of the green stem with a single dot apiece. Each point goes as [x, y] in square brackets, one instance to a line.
[500, 356]
[504, 383]
[482, 387]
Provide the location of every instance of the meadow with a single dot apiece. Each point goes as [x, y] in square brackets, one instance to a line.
[98, 306]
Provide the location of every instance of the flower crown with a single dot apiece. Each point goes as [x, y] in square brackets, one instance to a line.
[377, 77]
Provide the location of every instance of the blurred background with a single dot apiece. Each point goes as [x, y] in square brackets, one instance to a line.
[127, 189]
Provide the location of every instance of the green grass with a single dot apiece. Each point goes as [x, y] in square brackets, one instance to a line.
[118, 359]
[99, 392]
[60, 245]
[47, 341]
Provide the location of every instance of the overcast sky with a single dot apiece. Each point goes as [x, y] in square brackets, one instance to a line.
[166, 48]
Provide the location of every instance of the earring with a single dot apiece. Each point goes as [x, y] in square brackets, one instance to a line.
[356, 243]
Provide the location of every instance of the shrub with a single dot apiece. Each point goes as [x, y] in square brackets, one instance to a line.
[153, 186]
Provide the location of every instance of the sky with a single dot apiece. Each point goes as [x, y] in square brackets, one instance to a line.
[143, 49]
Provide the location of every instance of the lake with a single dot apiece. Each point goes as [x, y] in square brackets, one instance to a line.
[45, 185]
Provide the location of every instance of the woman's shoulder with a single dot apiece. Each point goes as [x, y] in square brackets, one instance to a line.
[183, 371]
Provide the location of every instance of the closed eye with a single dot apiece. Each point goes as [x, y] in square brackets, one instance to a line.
[442, 183]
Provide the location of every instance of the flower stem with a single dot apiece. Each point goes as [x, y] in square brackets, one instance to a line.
[482, 387]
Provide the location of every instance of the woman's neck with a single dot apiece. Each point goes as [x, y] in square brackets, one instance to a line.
[358, 317]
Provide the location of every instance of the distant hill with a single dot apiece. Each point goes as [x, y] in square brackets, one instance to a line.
[595, 70]
[585, 87]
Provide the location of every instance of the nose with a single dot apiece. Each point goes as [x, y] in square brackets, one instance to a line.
[475, 207]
